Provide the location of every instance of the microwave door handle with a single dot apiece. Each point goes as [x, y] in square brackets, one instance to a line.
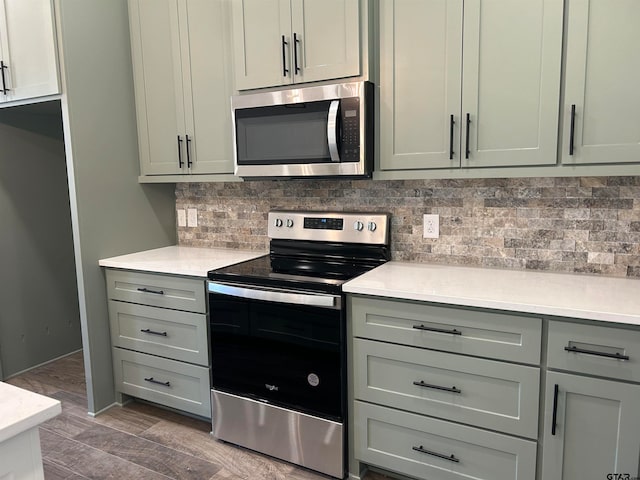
[332, 130]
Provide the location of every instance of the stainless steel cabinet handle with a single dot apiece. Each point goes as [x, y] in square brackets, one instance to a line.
[617, 356]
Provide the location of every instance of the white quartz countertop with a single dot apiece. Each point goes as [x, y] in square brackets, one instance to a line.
[557, 294]
[21, 410]
[177, 260]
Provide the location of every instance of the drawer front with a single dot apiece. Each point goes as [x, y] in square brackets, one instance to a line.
[592, 349]
[159, 331]
[167, 382]
[423, 447]
[482, 333]
[479, 392]
[164, 291]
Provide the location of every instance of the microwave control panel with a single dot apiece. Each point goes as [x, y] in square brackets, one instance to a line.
[350, 116]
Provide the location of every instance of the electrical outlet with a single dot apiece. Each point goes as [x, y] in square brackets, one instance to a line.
[182, 217]
[431, 226]
[192, 217]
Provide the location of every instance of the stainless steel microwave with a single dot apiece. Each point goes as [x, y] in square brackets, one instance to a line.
[319, 131]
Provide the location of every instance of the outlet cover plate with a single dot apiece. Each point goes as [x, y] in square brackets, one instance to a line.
[192, 217]
[182, 217]
[431, 226]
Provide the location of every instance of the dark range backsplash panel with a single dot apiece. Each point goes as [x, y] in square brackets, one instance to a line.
[585, 225]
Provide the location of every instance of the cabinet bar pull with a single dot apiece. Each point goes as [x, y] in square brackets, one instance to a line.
[440, 330]
[180, 162]
[188, 154]
[451, 458]
[438, 387]
[157, 382]
[151, 332]
[146, 290]
[617, 356]
[296, 41]
[4, 83]
[451, 124]
[285, 70]
[467, 151]
[572, 128]
[554, 417]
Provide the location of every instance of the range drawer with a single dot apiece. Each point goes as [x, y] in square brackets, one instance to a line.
[157, 290]
[480, 392]
[483, 333]
[166, 333]
[167, 382]
[428, 448]
[592, 349]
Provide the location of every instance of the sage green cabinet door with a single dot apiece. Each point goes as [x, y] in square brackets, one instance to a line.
[27, 50]
[262, 43]
[157, 69]
[601, 81]
[208, 88]
[511, 82]
[420, 77]
[326, 39]
[597, 428]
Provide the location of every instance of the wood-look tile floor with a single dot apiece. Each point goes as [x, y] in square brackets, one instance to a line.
[138, 441]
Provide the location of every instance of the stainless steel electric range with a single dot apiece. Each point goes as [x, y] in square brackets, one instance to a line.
[278, 337]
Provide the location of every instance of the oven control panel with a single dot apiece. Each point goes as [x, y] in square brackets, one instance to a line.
[350, 227]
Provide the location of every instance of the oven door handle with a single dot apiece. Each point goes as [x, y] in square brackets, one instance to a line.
[310, 299]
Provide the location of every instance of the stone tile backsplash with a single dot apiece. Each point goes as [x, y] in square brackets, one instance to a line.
[573, 224]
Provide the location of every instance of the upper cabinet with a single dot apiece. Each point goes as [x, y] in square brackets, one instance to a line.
[28, 55]
[469, 83]
[600, 114]
[280, 42]
[182, 85]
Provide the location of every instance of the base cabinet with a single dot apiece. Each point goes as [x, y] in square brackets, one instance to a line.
[592, 428]
[159, 339]
[428, 448]
[446, 392]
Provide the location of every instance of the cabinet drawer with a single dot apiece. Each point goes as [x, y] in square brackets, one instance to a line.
[158, 331]
[167, 382]
[482, 333]
[157, 290]
[480, 392]
[592, 349]
[428, 448]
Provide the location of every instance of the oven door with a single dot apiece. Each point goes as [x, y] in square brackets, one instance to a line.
[280, 347]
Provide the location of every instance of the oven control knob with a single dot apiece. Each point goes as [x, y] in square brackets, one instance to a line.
[289, 223]
[278, 222]
[357, 225]
[371, 226]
